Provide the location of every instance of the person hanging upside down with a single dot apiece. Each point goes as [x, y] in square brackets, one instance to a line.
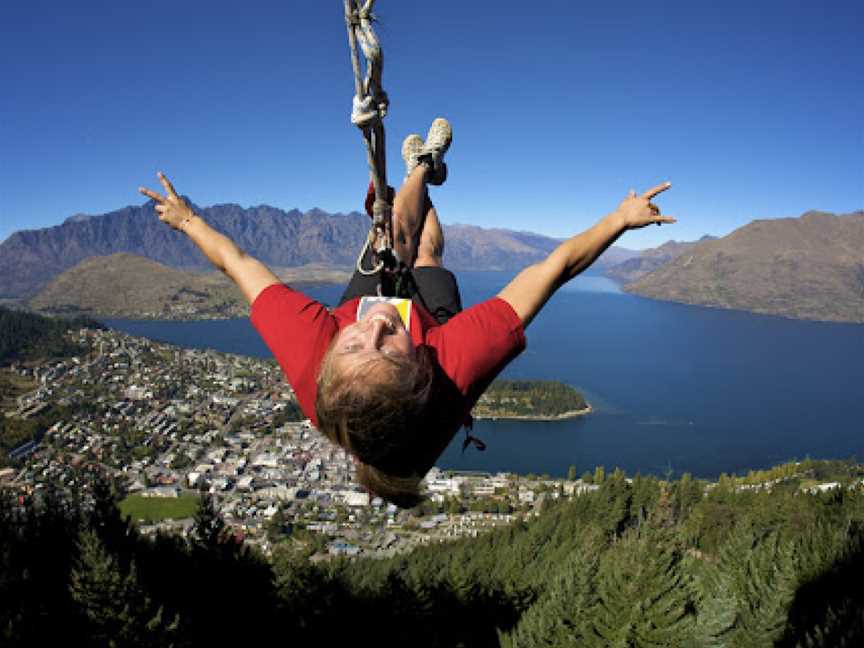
[391, 380]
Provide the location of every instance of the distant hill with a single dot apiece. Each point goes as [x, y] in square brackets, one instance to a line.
[469, 247]
[649, 260]
[614, 255]
[126, 285]
[30, 259]
[810, 267]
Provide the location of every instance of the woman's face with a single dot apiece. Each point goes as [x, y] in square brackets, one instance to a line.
[379, 332]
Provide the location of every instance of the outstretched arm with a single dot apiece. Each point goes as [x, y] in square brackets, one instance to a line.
[531, 289]
[250, 275]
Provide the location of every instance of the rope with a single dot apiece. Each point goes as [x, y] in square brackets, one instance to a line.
[369, 107]
[378, 266]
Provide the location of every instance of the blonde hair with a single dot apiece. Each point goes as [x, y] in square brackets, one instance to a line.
[383, 412]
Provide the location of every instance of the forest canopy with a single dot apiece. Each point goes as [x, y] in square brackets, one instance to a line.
[628, 562]
[27, 336]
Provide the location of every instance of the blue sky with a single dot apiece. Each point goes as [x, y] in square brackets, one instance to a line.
[751, 109]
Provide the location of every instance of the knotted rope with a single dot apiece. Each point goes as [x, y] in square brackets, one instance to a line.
[369, 108]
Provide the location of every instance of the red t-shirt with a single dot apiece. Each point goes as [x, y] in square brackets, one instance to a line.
[472, 347]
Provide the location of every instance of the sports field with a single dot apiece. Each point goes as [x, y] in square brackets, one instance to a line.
[153, 509]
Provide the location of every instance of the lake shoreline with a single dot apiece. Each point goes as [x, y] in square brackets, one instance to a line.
[539, 417]
[687, 365]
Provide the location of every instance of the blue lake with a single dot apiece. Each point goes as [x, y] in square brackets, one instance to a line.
[674, 388]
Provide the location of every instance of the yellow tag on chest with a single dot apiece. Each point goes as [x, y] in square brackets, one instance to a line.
[403, 306]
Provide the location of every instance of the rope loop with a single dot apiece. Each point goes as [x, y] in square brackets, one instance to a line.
[374, 269]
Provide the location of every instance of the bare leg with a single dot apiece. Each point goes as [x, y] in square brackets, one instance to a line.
[430, 250]
[409, 209]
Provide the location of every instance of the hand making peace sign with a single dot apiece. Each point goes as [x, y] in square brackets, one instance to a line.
[639, 211]
[172, 209]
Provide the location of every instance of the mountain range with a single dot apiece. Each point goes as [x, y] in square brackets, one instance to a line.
[810, 267]
[30, 259]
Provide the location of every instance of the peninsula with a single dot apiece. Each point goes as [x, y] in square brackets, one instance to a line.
[809, 267]
[530, 400]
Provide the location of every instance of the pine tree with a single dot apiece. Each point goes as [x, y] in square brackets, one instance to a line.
[296, 579]
[829, 609]
[645, 491]
[105, 519]
[843, 628]
[644, 598]
[208, 531]
[118, 611]
[560, 617]
[599, 475]
[43, 555]
[716, 605]
[761, 573]
[687, 493]
[615, 497]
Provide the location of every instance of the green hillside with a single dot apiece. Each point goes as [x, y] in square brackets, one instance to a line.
[27, 336]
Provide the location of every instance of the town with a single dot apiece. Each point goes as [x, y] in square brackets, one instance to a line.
[171, 423]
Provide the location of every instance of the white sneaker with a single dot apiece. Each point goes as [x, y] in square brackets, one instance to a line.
[412, 148]
[437, 142]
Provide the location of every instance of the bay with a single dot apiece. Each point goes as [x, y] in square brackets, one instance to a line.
[675, 388]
